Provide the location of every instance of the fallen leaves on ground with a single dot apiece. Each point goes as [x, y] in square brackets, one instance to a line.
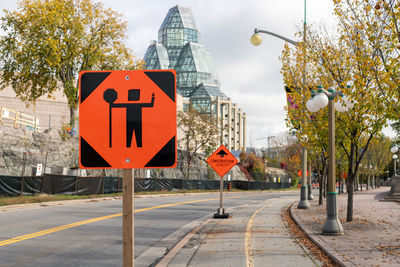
[305, 241]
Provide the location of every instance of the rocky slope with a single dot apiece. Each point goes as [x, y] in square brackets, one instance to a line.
[21, 150]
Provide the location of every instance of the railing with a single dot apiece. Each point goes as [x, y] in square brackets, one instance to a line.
[16, 119]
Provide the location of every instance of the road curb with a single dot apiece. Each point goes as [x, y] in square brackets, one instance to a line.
[78, 201]
[314, 239]
[203, 222]
[174, 250]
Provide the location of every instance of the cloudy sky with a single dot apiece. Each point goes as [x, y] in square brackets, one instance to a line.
[249, 75]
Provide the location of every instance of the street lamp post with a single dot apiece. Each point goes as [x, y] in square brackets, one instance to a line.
[357, 181]
[256, 40]
[394, 150]
[332, 225]
[369, 177]
[372, 180]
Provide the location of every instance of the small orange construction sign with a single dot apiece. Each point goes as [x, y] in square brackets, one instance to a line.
[222, 160]
[127, 119]
[300, 173]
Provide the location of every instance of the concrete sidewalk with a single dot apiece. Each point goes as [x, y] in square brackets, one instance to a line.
[255, 235]
[371, 239]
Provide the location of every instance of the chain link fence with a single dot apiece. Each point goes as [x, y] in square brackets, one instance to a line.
[83, 185]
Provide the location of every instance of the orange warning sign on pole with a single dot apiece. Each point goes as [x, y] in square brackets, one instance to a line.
[127, 119]
[222, 160]
[300, 173]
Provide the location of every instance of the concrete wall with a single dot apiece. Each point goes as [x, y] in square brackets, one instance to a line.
[51, 112]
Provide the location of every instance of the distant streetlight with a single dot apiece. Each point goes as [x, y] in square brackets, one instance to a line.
[318, 101]
[394, 150]
[369, 183]
[256, 40]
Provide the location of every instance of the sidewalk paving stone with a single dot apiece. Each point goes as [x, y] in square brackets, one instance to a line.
[371, 239]
[222, 242]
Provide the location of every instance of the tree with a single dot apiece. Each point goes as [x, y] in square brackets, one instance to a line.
[199, 132]
[291, 156]
[396, 128]
[378, 155]
[339, 61]
[375, 23]
[48, 42]
[311, 129]
[254, 165]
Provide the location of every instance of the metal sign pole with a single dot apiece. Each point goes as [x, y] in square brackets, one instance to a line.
[221, 189]
[222, 160]
[128, 232]
[221, 211]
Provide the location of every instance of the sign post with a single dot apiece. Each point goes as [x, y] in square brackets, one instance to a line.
[221, 210]
[128, 234]
[127, 120]
[221, 161]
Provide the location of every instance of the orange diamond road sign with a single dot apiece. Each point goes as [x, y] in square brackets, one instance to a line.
[222, 160]
[127, 119]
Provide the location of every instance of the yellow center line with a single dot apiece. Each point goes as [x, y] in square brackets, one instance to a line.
[67, 226]
[55, 229]
[247, 240]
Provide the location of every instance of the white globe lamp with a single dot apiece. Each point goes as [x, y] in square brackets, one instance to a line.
[321, 99]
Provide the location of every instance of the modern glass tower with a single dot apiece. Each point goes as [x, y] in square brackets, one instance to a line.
[179, 47]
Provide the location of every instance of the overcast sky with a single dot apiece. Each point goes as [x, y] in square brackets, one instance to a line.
[249, 75]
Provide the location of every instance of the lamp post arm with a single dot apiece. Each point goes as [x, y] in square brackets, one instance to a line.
[331, 94]
[278, 36]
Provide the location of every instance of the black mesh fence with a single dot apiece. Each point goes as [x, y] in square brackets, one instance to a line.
[82, 185]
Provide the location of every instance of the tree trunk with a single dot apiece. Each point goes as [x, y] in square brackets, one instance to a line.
[354, 183]
[189, 162]
[321, 199]
[339, 186]
[324, 181]
[350, 191]
[188, 157]
[73, 118]
[321, 182]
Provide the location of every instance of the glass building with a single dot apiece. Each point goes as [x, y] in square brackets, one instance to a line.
[179, 47]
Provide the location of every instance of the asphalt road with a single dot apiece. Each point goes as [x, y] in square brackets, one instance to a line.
[89, 234]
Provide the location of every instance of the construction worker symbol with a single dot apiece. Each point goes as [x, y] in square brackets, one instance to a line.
[133, 114]
[127, 119]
